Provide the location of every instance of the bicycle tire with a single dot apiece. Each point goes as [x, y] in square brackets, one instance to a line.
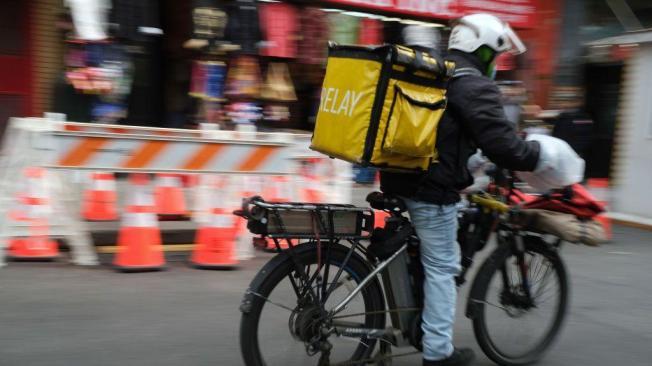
[279, 267]
[478, 296]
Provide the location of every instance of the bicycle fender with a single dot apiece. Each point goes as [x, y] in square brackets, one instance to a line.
[257, 281]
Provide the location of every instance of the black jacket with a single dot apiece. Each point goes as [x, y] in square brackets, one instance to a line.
[473, 119]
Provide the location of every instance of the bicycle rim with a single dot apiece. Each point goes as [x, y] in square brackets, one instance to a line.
[510, 331]
[278, 329]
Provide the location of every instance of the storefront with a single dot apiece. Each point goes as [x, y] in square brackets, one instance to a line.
[632, 134]
[245, 62]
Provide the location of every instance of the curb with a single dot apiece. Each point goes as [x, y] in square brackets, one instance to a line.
[632, 221]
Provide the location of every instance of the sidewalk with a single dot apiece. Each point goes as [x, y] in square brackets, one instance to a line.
[602, 191]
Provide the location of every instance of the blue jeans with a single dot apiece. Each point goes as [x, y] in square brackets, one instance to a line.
[436, 227]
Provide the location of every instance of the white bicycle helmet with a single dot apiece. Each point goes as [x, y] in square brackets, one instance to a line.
[472, 31]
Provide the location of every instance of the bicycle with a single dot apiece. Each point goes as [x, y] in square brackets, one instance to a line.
[333, 293]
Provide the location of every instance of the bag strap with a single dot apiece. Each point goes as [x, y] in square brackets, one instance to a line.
[465, 71]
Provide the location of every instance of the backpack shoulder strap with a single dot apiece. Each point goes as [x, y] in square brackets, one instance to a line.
[465, 71]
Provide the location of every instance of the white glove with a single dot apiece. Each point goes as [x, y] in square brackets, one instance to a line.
[476, 162]
[559, 165]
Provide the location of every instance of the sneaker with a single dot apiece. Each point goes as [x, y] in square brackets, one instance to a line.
[460, 357]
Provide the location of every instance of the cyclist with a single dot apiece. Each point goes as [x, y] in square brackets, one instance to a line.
[474, 119]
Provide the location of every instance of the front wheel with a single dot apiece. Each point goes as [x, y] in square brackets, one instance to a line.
[518, 302]
[282, 323]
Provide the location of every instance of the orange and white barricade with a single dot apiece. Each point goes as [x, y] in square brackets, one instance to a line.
[57, 145]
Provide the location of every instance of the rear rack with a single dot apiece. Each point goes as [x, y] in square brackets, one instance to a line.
[300, 220]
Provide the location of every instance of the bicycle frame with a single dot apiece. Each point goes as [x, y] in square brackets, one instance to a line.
[394, 255]
[397, 297]
[342, 304]
[399, 300]
[397, 289]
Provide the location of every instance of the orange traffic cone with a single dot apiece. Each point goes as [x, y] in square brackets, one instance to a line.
[38, 246]
[100, 200]
[169, 197]
[34, 209]
[139, 239]
[215, 242]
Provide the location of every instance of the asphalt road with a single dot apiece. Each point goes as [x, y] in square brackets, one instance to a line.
[57, 314]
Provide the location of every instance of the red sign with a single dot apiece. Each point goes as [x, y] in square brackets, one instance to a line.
[518, 13]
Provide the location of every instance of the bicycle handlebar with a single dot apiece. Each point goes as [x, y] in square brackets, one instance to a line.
[489, 202]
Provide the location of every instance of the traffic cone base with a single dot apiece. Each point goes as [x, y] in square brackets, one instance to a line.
[139, 249]
[215, 243]
[33, 249]
[214, 249]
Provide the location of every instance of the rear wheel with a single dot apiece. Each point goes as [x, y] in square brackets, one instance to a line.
[284, 323]
[511, 327]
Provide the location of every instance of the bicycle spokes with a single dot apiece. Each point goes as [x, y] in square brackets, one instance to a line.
[517, 318]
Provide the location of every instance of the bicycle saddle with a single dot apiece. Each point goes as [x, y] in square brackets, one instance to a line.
[386, 202]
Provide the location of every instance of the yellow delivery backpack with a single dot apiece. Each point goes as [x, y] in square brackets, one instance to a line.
[381, 106]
